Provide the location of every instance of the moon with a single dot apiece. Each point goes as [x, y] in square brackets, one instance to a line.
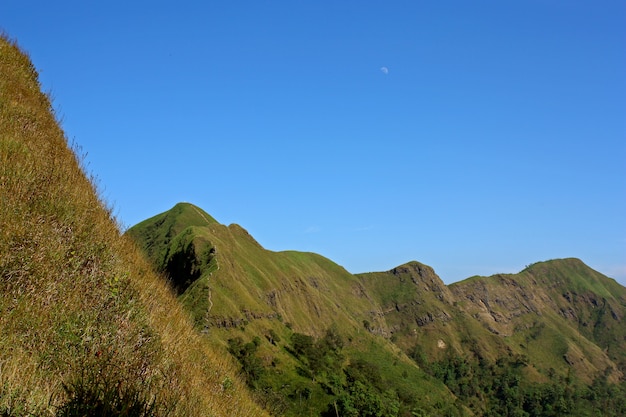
[384, 70]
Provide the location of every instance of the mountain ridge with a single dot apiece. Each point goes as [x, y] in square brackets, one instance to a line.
[560, 316]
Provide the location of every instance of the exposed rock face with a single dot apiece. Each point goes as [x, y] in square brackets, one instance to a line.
[412, 297]
[497, 302]
[234, 322]
[424, 277]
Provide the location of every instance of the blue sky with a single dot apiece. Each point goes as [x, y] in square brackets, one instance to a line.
[476, 137]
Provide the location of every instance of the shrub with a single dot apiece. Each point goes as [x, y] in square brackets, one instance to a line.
[93, 394]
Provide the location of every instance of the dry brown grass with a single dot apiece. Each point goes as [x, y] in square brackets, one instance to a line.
[76, 297]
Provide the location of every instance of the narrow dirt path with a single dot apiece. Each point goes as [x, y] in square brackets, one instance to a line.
[201, 214]
[209, 280]
[216, 262]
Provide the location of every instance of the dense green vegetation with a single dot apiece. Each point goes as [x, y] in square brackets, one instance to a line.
[357, 387]
[324, 379]
[500, 388]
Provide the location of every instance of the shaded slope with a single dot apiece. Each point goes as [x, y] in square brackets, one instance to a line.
[81, 312]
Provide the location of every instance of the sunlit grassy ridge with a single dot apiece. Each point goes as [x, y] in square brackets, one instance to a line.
[81, 313]
[247, 280]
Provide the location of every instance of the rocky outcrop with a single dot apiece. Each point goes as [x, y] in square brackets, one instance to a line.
[425, 279]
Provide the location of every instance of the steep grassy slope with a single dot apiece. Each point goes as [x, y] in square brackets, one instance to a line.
[84, 322]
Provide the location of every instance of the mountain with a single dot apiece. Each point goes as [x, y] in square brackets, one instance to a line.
[555, 321]
[86, 327]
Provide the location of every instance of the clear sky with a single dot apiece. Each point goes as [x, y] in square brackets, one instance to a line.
[474, 136]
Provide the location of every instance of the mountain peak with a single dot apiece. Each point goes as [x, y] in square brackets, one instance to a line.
[175, 220]
[167, 228]
[192, 214]
[572, 274]
[418, 271]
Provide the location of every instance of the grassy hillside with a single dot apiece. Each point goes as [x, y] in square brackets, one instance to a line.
[85, 325]
[242, 280]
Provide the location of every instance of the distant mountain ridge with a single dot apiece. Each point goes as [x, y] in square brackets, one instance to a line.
[563, 298]
[561, 316]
